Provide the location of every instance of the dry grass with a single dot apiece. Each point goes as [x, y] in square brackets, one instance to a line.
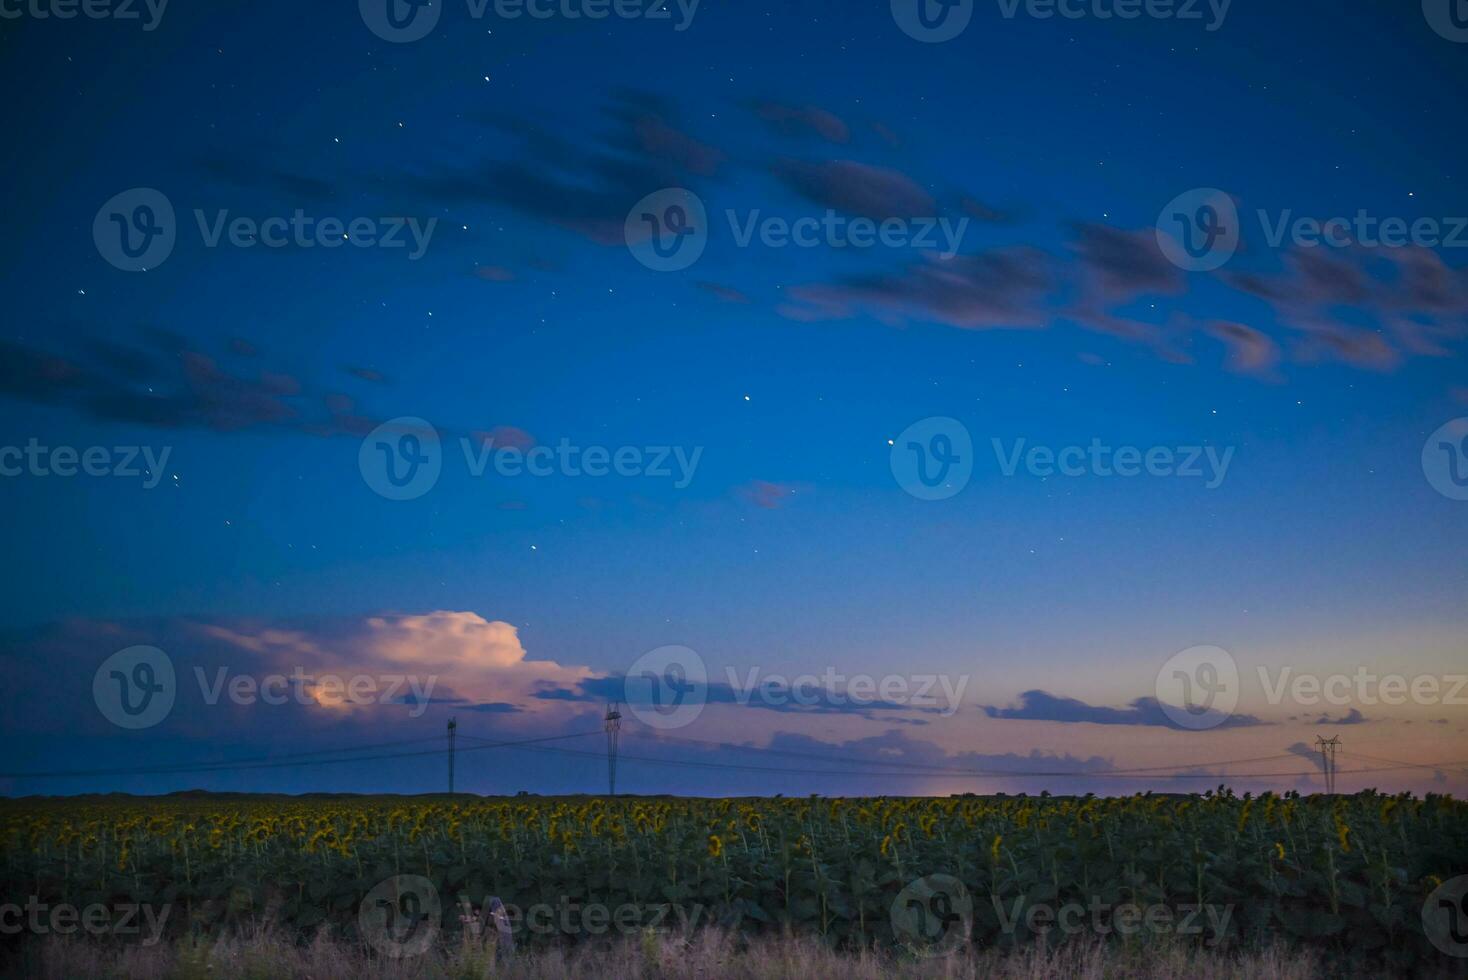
[708, 955]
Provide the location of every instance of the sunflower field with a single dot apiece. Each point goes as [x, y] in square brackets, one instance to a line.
[1347, 875]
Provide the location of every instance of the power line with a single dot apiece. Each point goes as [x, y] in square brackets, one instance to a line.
[276, 764]
[243, 763]
[846, 760]
[1111, 774]
[1454, 766]
[887, 768]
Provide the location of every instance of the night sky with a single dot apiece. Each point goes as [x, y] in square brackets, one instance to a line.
[783, 377]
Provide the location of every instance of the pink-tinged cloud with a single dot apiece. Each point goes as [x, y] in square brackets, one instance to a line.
[1418, 306]
[1000, 289]
[473, 662]
[801, 120]
[858, 188]
[1250, 351]
[726, 293]
[494, 273]
[887, 135]
[767, 495]
[662, 141]
[504, 437]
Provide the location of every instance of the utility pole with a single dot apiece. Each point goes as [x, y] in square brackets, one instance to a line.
[1327, 748]
[613, 725]
[453, 724]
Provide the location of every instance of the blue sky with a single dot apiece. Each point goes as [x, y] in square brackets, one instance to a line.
[1059, 142]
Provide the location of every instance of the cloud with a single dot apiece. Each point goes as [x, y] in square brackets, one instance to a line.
[1117, 267]
[726, 293]
[475, 663]
[1043, 706]
[980, 211]
[766, 495]
[991, 290]
[857, 188]
[494, 273]
[1250, 351]
[803, 121]
[175, 389]
[1124, 265]
[585, 187]
[504, 437]
[1412, 303]
[769, 695]
[1306, 752]
[1352, 717]
[162, 382]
